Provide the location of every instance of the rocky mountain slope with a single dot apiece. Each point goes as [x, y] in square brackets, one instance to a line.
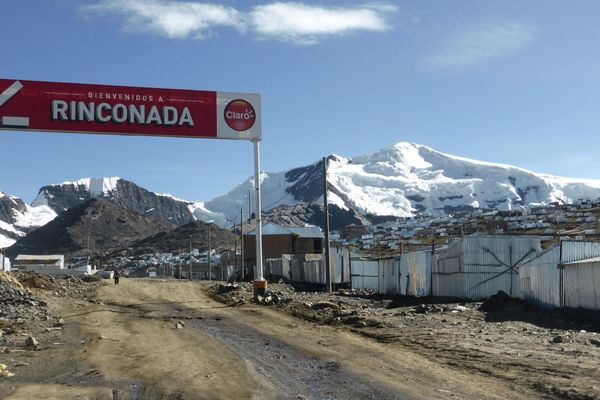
[311, 213]
[179, 239]
[103, 225]
[118, 191]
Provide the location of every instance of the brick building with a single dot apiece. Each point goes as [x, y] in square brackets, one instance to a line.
[278, 240]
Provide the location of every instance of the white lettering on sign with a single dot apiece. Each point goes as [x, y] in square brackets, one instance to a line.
[240, 115]
[120, 113]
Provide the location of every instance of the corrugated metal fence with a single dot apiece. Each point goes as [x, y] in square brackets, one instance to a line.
[407, 274]
[479, 266]
[561, 276]
[309, 268]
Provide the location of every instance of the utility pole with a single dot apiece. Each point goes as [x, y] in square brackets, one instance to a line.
[328, 283]
[208, 257]
[180, 253]
[234, 250]
[190, 257]
[3, 258]
[242, 242]
[249, 209]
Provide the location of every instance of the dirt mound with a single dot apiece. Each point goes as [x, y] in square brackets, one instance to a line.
[8, 280]
[35, 281]
[500, 301]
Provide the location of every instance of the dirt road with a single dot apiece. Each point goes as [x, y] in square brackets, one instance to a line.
[126, 345]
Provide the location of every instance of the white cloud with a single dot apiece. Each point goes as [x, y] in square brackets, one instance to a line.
[304, 24]
[475, 47]
[175, 20]
[289, 22]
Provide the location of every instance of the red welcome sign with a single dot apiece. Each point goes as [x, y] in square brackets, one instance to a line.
[121, 110]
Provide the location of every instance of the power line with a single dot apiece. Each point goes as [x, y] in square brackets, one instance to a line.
[275, 202]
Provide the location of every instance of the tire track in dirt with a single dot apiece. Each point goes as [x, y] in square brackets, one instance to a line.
[294, 373]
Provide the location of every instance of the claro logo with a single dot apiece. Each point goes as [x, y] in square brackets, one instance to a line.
[240, 115]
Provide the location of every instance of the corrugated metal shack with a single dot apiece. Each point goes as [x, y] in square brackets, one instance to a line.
[478, 267]
[408, 274]
[566, 275]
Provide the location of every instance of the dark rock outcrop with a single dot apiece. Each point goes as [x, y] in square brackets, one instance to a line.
[105, 226]
[179, 239]
[310, 213]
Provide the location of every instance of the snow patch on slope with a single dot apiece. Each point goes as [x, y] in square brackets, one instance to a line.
[201, 213]
[5, 242]
[34, 216]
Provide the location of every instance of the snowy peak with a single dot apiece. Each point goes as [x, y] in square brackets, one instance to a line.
[408, 179]
[97, 186]
[118, 191]
[86, 188]
[402, 158]
[18, 218]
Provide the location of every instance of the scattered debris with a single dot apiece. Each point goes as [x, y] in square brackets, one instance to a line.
[4, 372]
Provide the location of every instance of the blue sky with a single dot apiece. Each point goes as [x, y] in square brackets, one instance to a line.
[515, 82]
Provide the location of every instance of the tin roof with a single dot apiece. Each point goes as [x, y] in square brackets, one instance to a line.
[274, 229]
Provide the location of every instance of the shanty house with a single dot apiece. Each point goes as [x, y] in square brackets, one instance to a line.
[38, 263]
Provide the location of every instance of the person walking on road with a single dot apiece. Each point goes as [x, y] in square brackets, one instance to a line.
[116, 276]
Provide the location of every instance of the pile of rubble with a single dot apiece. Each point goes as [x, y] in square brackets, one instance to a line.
[17, 302]
[241, 293]
[61, 286]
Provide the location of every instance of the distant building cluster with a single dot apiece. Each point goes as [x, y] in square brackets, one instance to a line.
[577, 221]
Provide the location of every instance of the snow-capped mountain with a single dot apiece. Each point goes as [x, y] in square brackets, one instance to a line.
[18, 218]
[408, 179]
[118, 191]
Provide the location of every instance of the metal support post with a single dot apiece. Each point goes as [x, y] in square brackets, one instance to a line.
[260, 285]
[328, 280]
